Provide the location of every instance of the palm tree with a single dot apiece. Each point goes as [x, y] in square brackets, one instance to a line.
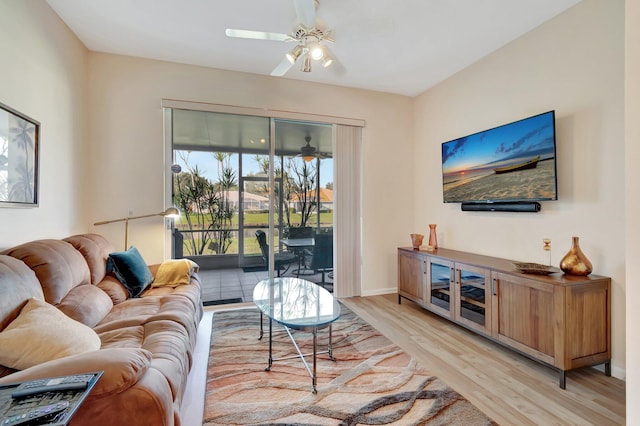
[299, 182]
[206, 205]
[223, 214]
[302, 185]
[197, 199]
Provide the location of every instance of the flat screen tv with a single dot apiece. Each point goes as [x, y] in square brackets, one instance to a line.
[515, 162]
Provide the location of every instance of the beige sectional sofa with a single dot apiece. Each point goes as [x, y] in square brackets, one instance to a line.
[145, 343]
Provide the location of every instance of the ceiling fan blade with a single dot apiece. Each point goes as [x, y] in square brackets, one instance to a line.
[257, 35]
[306, 12]
[282, 68]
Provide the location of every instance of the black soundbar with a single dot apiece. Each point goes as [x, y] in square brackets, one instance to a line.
[520, 206]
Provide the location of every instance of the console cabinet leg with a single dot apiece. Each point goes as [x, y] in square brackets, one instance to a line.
[607, 368]
[563, 379]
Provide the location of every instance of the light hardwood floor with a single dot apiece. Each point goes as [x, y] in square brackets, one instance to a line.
[508, 387]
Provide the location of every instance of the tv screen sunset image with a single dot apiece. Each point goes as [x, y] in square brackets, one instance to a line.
[513, 162]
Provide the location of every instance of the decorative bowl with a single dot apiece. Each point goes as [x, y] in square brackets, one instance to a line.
[535, 268]
[416, 241]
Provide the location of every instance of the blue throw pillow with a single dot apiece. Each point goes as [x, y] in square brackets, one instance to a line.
[131, 270]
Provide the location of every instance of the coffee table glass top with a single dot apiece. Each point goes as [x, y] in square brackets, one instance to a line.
[296, 303]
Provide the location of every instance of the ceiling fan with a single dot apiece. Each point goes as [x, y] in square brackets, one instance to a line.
[307, 36]
[308, 152]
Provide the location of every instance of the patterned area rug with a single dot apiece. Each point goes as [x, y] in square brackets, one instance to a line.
[372, 381]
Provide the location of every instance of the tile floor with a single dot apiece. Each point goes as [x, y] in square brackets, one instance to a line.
[225, 284]
[221, 285]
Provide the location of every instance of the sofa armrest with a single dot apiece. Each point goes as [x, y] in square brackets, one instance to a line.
[153, 268]
[123, 368]
[130, 392]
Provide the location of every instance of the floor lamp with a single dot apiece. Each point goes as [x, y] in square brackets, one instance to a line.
[171, 212]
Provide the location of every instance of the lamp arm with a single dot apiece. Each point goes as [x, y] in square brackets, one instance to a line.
[146, 215]
[170, 212]
[124, 219]
[104, 222]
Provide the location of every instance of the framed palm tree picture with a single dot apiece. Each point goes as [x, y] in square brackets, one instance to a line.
[19, 138]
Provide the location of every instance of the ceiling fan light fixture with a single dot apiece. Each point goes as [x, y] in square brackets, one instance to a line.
[294, 54]
[317, 51]
[306, 65]
[310, 36]
[327, 61]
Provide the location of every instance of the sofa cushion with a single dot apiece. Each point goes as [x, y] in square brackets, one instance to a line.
[95, 249]
[58, 266]
[42, 333]
[87, 304]
[114, 288]
[168, 342]
[192, 292]
[132, 271]
[18, 283]
[142, 310]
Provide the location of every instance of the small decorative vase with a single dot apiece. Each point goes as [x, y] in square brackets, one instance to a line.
[433, 238]
[575, 262]
[416, 241]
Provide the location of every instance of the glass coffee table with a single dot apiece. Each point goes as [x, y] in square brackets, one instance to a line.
[300, 305]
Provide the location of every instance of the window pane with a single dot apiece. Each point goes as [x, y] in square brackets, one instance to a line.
[206, 193]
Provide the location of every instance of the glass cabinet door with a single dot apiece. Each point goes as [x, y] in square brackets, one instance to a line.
[472, 299]
[440, 280]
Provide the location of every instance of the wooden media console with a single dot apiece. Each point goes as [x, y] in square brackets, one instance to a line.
[560, 320]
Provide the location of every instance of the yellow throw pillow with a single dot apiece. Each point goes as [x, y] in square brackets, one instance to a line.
[174, 272]
[42, 333]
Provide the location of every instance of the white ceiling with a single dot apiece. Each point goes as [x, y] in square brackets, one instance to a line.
[394, 46]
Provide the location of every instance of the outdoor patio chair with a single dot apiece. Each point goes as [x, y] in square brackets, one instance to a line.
[281, 260]
[297, 232]
[322, 257]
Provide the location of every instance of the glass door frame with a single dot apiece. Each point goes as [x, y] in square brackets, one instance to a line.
[353, 158]
[241, 225]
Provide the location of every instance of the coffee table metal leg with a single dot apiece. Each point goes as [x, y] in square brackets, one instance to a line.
[270, 345]
[261, 332]
[313, 377]
[329, 347]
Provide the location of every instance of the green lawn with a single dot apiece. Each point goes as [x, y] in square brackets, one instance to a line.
[250, 220]
[258, 219]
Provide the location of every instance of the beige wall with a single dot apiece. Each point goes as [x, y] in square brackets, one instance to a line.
[42, 75]
[573, 64]
[127, 135]
[632, 156]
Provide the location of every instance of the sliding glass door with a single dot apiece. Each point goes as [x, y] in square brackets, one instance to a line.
[338, 152]
[221, 184]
